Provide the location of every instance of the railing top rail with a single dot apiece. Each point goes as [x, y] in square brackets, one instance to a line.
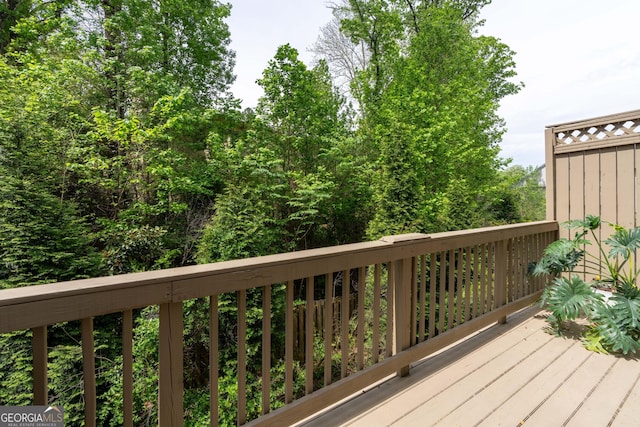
[161, 277]
[26, 307]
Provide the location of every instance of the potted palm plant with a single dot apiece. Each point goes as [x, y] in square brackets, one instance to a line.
[614, 322]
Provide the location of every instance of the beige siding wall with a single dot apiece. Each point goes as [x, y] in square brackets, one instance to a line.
[591, 169]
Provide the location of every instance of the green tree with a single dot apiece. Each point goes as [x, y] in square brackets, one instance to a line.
[309, 125]
[291, 179]
[435, 84]
[146, 50]
[104, 159]
[43, 235]
[301, 108]
[524, 185]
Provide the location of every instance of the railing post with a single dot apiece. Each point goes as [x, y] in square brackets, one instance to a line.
[404, 300]
[127, 368]
[170, 411]
[402, 309]
[89, 370]
[39, 373]
[550, 179]
[500, 276]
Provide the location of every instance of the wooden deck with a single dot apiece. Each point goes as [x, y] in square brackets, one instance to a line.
[508, 375]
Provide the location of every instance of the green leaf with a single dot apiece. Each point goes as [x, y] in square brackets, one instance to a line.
[560, 256]
[626, 310]
[616, 336]
[568, 299]
[623, 242]
[593, 341]
[591, 222]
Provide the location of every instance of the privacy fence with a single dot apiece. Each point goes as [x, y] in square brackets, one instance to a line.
[592, 169]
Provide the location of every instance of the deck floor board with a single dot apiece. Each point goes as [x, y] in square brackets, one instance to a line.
[508, 375]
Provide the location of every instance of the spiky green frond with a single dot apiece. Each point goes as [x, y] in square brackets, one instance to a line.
[590, 222]
[568, 299]
[625, 311]
[616, 323]
[615, 335]
[623, 242]
[561, 255]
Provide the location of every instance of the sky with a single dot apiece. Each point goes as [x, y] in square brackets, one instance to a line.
[578, 59]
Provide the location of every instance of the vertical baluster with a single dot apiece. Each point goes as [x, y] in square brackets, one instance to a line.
[539, 281]
[484, 259]
[266, 349]
[459, 286]
[500, 258]
[288, 387]
[491, 272]
[390, 307]
[524, 256]
[328, 327]
[375, 350]
[127, 368]
[39, 373]
[476, 280]
[514, 250]
[308, 339]
[523, 265]
[89, 372]
[517, 258]
[510, 268]
[545, 239]
[451, 289]
[214, 361]
[533, 281]
[423, 297]
[432, 294]
[467, 283]
[535, 249]
[344, 323]
[414, 302]
[526, 248]
[361, 293]
[443, 292]
[519, 282]
[242, 357]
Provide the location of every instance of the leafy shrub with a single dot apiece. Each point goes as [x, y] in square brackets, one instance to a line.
[615, 323]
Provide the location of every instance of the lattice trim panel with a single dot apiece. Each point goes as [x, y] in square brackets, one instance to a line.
[599, 133]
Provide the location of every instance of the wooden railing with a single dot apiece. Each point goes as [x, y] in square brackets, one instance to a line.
[415, 294]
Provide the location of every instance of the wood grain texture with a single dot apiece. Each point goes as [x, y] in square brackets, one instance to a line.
[89, 372]
[170, 386]
[127, 368]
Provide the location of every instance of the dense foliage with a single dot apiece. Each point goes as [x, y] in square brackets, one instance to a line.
[121, 150]
[428, 92]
